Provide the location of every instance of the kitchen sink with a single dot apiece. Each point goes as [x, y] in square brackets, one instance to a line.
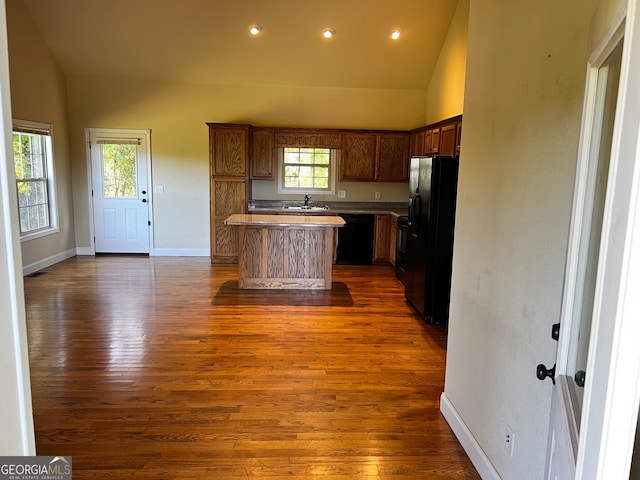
[310, 208]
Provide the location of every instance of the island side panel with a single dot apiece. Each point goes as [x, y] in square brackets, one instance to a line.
[275, 248]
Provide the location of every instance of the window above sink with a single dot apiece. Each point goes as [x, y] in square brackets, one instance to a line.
[307, 170]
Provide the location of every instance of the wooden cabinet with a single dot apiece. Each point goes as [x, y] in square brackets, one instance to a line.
[358, 157]
[458, 138]
[432, 141]
[418, 143]
[228, 196]
[393, 238]
[229, 186]
[382, 157]
[262, 145]
[392, 159]
[381, 238]
[228, 149]
[448, 140]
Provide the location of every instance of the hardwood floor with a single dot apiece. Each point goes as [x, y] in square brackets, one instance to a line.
[144, 368]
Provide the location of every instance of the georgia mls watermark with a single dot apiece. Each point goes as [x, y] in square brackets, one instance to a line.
[35, 468]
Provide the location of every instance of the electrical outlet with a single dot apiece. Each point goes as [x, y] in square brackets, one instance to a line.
[158, 188]
[509, 440]
[376, 195]
[342, 194]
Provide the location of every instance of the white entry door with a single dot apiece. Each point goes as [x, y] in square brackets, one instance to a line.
[597, 384]
[120, 185]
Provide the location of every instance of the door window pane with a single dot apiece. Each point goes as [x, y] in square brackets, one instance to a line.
[119, 171]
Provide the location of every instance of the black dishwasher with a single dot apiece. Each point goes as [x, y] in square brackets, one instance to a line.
[355, 239]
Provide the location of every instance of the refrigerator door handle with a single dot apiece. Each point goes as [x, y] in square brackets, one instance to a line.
[416, 214]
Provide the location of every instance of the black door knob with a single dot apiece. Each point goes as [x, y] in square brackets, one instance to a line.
[144, 200]
[543, 372]
[555, 331]
[144, 192]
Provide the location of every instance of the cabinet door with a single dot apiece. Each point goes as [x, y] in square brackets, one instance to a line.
[392, 161]
[448, 140]
[435, 141]
[262, 155]
[358, 157]
[228, 196]
[381, 238]
[418, 143]
[229, 149]
[458, 137]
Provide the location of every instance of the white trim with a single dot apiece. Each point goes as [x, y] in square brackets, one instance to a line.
[85, 251]
[47, 262]
[113, 133]
[470, 445]
[611, 408]
[16, 375]
[180, 252]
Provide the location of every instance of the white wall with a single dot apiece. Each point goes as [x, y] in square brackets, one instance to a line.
[38, 93]
[525, 76]
[16, 434]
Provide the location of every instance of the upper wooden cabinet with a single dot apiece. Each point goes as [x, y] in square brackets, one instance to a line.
[442, 138]
[418, 143]
[382, 157]
[228, 149]
[358, 157]
[262, 145]
[392, 159]
[448, 140]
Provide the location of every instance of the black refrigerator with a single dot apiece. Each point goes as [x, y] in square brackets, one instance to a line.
[432, 203]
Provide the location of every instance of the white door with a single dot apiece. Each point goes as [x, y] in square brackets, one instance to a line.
[120, 187]
[596, 393]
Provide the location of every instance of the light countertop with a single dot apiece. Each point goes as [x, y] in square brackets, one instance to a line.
[285, 220]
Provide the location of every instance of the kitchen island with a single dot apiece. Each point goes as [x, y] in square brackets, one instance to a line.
[285, 251]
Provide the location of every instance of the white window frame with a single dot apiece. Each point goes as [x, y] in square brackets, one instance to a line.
[334, 158]
[45, 129]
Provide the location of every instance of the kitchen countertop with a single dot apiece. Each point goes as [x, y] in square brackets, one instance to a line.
[394, 209]
[285, 220]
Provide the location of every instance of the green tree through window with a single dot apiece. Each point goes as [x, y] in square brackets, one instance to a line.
[119, 171]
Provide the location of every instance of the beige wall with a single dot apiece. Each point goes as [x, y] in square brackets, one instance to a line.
[445, 95]
[38, 93]
[525, 75]
[176, 115]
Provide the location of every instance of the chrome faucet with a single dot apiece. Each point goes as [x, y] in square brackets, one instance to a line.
[306, 200]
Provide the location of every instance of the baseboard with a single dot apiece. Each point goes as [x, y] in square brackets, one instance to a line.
[477, 456]
[85, 251]
[179, 252]
[47, 262]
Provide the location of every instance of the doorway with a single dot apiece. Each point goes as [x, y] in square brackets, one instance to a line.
[120, 179]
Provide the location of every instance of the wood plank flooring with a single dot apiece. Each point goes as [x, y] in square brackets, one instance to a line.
[137, 372]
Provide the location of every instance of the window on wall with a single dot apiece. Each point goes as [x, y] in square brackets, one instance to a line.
[307, 170]
[33, 162]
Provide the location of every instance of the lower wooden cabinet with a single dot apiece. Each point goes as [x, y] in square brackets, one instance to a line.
[228, 196]
[382, 231]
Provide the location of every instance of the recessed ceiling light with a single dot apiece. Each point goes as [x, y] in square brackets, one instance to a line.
[327, 33]
[255, 29]
[394, 34]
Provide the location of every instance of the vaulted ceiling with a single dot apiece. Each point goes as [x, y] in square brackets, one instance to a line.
[207, 41]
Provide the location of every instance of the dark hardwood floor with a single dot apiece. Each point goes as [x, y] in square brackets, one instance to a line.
[159, 368]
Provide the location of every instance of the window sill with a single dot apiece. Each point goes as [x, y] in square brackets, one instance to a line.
[39, 234]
